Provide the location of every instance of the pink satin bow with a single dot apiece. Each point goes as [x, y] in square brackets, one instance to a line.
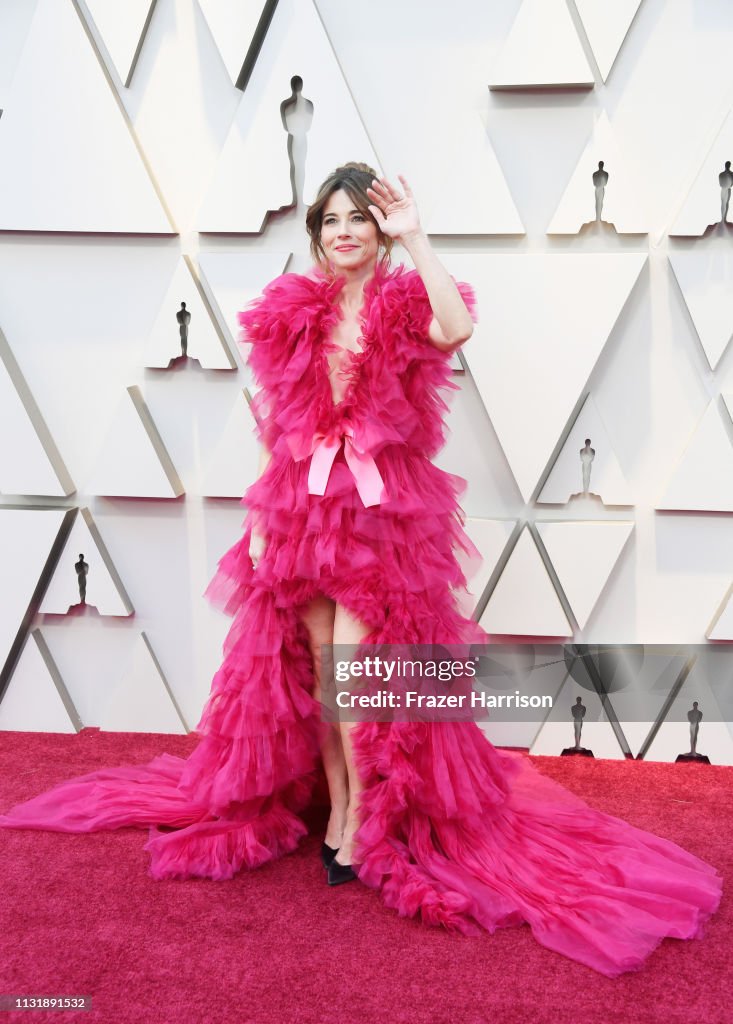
[369, 482]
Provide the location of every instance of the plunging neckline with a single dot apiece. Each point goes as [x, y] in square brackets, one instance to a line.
[347, 370]
[350, 368]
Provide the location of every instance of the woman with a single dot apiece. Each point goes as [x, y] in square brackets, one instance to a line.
[358, 537]
[349, 242]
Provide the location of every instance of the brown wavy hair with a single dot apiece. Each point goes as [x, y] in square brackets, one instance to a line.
[354, 179]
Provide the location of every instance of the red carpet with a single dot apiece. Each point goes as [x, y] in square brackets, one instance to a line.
[80, 915]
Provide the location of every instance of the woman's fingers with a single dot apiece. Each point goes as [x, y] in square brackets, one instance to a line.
[406, 187]
[378, 193]
[387, 191]
[385, 194]
[391, 191]
[378, 207]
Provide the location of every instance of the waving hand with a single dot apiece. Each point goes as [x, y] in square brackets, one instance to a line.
[395, 214]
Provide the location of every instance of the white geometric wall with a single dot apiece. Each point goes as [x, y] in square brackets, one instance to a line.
[132, 168]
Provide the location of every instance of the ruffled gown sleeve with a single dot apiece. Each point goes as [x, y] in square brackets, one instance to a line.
[424, 369]
[277, 336]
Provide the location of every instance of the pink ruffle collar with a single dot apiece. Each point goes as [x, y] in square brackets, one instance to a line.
[330, 285]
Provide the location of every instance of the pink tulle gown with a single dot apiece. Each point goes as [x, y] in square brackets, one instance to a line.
[453, 830]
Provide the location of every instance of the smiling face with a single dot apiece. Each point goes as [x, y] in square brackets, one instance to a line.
[349, 238]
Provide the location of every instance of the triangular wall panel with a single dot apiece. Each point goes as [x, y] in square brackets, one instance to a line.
[483, 205]
[557, 731]
[639, 679]
[235, 461]
[702, 206]
[231, 280]
[68, 161]
[703, 479]
[36, 699]
[673, 738]
[253, 174]
[104, 588]
[623, 200]
[721, 628]
[706, 282]
[524, 601]
[16, 17]
[533, 669]
[605, 476]
[233, 25]
[606, 25]
[204, 342]
[122, 28]
[583, 555]
[142, 701]
[27, 539]
[134, 462]
[32, 464]
[542, 50]
[544, 322]
[491, 537]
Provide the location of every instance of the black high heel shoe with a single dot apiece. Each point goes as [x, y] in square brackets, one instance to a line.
[327, 854]
[340, 873]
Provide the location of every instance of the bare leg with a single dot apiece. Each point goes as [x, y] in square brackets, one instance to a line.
[349, 630]
[319, 620]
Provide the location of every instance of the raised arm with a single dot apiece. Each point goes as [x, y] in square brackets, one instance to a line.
[397, 217]
[451, 325]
